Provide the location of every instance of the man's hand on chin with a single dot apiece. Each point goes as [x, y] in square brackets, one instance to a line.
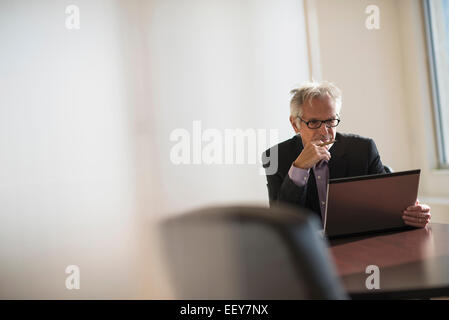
[312, 154]
[417, 215]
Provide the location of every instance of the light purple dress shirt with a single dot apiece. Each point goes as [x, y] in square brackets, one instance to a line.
[301, 176]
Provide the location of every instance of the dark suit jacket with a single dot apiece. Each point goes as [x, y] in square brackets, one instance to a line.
[351, 155]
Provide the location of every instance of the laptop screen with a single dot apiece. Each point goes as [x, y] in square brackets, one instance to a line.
[369, 203]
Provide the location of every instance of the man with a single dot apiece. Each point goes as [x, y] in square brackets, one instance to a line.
[310, 158]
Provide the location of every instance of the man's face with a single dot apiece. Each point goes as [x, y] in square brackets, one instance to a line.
[318, 109]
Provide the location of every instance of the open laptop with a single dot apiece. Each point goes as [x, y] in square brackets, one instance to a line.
[363, 204]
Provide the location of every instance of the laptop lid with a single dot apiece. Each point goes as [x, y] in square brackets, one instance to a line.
[369, 203]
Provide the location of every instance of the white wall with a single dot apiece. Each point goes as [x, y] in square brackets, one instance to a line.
[366, 64]
[229, 64]
[85, 119]
[67, 180]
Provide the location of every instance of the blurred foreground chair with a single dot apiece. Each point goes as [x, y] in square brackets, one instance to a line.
[249, 253]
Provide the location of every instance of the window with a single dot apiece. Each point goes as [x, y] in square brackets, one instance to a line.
[437, 27]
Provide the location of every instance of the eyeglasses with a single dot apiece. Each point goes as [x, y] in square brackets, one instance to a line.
[316, 124]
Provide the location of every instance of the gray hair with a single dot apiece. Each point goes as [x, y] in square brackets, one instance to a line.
[310, 90]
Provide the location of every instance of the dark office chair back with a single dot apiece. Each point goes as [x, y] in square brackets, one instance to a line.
[388, 169]
[249, 253]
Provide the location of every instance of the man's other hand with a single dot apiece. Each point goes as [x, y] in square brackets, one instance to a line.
[417, 215]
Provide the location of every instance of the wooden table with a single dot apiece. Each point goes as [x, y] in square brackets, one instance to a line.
[412, 263]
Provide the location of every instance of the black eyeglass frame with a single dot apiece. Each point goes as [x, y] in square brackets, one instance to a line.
[321, 122]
